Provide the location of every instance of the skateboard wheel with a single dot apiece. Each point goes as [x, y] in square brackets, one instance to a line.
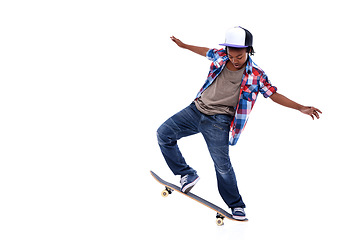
[164, 193]
[220, 221]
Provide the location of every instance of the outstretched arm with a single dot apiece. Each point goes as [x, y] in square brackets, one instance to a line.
[284, 101]
[199, 50]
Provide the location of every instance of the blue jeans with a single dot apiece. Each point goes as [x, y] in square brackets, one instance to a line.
[215, 130]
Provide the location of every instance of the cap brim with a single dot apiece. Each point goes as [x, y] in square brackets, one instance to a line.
[232, 45]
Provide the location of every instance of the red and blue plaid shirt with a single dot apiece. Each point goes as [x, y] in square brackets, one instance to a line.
[254, 80]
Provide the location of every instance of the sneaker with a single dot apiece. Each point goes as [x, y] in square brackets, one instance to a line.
[238, 213]
[188, 181]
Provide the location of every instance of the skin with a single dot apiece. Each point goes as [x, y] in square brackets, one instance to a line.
[237, 60]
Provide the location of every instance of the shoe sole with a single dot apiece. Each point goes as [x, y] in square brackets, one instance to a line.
[189, 186]
[239, 217]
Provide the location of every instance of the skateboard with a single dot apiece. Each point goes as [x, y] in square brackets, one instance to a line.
[221, 213]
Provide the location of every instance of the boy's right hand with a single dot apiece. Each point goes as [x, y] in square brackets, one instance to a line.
[178, 42]
[199, 50]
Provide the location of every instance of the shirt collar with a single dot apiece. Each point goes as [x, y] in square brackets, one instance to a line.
[248, 67]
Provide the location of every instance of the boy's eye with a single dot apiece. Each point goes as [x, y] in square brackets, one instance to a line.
[239, 58]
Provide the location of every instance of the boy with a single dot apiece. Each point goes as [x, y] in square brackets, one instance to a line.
[221, 107]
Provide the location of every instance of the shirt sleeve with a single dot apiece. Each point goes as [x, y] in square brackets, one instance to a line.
[213, 54]
[266, 87]
[210, 54]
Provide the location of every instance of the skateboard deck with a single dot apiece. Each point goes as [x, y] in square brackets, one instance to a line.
[221, 213]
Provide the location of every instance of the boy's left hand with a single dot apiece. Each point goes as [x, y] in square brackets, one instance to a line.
[311, 111]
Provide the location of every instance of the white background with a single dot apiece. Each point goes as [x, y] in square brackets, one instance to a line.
[85, 84]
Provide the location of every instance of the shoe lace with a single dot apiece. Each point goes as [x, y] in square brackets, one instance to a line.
[183, 180]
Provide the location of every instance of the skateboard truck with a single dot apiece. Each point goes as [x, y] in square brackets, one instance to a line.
[220, 219]
[166, 192]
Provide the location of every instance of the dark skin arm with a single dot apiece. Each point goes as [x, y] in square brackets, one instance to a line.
[198, 50]
[284, 101]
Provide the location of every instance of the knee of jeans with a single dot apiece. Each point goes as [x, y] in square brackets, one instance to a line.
[165, 135]
[223, 168]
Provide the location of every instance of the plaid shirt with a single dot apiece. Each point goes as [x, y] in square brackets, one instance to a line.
[254, 80]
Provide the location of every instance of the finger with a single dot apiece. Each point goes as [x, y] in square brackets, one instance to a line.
[318, 110]
[313, 114]
[315, 109]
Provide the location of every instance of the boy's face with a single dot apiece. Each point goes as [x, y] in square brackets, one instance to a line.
[238, 57]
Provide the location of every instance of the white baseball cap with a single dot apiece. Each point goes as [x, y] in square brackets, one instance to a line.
[237, 37]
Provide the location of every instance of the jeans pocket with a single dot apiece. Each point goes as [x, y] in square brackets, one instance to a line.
[219, 127]
[222, 122]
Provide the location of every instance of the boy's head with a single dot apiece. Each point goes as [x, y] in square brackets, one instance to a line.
[238, 38]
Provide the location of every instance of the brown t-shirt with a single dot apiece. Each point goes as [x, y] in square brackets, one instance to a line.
[222, 96]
